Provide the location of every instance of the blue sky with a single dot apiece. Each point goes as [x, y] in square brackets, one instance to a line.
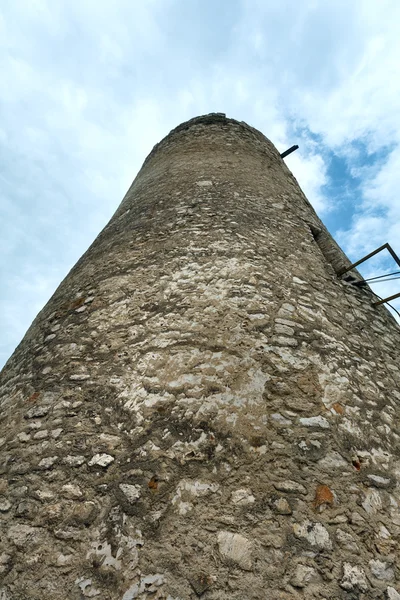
[88, 87]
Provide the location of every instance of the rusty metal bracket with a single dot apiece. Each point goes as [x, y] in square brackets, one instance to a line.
[386, 299]
[370, 255]
[289, 151]
[386, 246]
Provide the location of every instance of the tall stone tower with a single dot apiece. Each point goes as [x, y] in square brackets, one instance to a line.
[204, 409]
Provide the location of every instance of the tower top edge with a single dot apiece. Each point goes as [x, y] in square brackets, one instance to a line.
[216, 118]
[212, 119]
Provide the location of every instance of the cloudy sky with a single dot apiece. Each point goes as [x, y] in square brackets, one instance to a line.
[87, 87]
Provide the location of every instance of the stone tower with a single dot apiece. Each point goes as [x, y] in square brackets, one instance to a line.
[204, 409]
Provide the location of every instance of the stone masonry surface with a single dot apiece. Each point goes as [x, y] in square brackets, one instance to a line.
[204, 408]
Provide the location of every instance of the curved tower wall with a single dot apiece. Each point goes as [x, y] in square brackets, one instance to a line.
[203, 409]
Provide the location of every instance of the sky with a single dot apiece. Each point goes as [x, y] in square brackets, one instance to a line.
[87, 87]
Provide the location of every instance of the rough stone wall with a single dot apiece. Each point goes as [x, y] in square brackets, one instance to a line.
[203, 409]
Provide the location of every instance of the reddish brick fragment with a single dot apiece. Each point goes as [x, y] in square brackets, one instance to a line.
[323, 495]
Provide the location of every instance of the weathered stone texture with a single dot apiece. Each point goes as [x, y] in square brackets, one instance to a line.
[203, 408]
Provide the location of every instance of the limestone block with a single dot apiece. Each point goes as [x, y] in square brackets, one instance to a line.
[235, 548]
[314, 533]
[354, 578]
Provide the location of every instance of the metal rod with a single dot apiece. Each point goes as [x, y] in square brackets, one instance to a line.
[387, 299]
[393, 308]
[393, 253]
[381, 276]
[354, 265]
[382, 280]
[289, 151]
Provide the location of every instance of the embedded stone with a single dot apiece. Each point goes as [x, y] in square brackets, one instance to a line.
[74, 461]
[346, 540]
[288, 307]
[87, 588]
[332, 460]
[302, 576]
[21, 534]
[372, 502]
[381, 570]
[40, 435]
[235, 548]
[48, 462]
[5, 505]
[284, 329]
[111, 441]
[101, 460]
[378, 481]
[314, 533]
[43, 495]
[383, 532]
[356, 518]
[68, 533]
[19, 491]
[79, 377]
[53, 512]
[278, 446]
[280, 419]
[197, 488]
[282, 506]
[284, 341]
[61, 405]
[242, 497]
[20, 468]
[290, 487]
[83, 513]
[5, 564]
[323, 495]
[148, 584]
[317, 421]
[200, 583]
[353, 578]
[64, 560]
[71, 491]
[37, 412]
[392, 594]
[26, 509]
[35, 424]
[287, 322]
[131, 492]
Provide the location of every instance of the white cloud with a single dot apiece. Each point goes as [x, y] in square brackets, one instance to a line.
[335, 64]
[88, 88]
